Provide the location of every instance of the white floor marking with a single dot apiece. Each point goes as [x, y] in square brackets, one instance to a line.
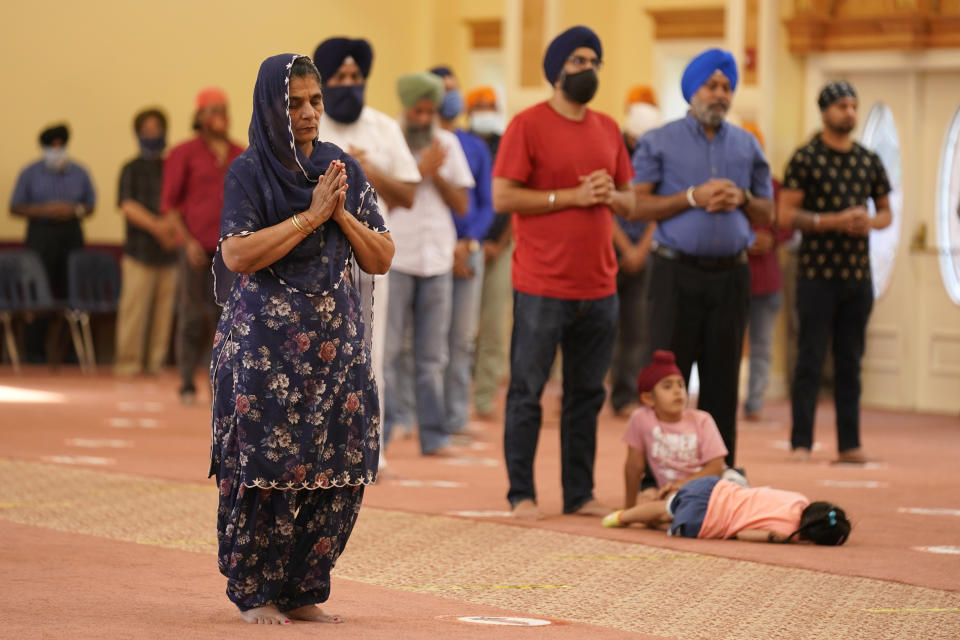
[94, 461]
[99, 443]
[154, 407]
[480, 514]
[442, 484]
[132, 423]
[920, 511]
[509, 622]
[946, 550]
[466, 461]
[17, 395]
[854, 484]
[868, 466]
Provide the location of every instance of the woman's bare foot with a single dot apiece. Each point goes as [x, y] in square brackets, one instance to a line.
[593, 508]
[800, 454]
[526, 510]
[313, 613]
[265, 615]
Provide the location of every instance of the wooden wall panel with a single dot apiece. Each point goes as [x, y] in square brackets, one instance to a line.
[532, 44]
[672, 24]
[485, 34]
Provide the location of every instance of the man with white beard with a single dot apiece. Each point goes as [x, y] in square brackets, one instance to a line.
[421, 285]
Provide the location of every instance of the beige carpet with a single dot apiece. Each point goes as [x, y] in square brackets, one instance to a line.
[625, 586]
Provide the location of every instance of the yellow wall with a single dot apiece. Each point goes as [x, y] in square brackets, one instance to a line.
[96, 63]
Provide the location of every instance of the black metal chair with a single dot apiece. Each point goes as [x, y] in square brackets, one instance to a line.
[93, 286]
[24, 290]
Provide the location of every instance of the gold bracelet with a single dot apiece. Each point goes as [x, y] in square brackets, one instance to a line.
[295, 219]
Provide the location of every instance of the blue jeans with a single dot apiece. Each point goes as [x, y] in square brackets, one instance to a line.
[463, 340]
[763, 316]
[425, 302]
[689, 506]
[585, 331]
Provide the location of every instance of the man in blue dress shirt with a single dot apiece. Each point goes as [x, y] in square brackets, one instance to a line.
[703, 181]
[53, 194]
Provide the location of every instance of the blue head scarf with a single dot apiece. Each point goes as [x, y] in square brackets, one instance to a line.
[702, 67]
[273, 179]
[565, 44]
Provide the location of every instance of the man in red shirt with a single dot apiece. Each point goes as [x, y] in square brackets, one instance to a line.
[193, 195]
[563, 171]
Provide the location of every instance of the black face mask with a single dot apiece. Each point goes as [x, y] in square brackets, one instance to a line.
[581, 86]
[344, 104]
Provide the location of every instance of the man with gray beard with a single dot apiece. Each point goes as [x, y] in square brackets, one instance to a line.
[420, 280]
[703, 181]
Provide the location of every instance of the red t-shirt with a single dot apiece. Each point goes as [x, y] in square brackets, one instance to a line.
[765, 275]
[193, 185]
[566, 253]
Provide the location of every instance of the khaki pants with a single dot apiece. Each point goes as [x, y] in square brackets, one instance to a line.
[145, 316]
[493, 329]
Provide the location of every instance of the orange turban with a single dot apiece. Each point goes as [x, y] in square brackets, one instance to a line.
[480, 94]
[642, 93]
[211, 96]
[754, 129]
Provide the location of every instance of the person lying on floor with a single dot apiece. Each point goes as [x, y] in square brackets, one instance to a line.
[719, 509]
[673, 443]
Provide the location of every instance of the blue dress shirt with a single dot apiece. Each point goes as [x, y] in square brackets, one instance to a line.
[38, 184]
[479, 216]
[679, 155]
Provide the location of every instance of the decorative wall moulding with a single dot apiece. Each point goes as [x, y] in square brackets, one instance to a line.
[873, 24]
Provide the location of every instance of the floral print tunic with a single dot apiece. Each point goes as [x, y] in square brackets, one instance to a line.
[295, 403]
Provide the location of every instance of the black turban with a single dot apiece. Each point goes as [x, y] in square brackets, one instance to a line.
[443, 71]
[331, 53]
[833, 92]
[51, 134]
[565, 44]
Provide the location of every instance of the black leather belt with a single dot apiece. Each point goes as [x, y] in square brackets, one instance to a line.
[708, 264]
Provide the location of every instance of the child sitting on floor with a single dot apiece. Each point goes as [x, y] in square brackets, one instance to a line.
[674, 443]
[715, 508]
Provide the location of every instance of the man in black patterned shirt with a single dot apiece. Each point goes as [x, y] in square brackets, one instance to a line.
[825, 191]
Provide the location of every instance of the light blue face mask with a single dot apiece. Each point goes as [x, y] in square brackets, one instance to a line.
[55, 157]
[452, 104]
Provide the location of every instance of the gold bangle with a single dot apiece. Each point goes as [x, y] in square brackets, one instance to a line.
[295, 219]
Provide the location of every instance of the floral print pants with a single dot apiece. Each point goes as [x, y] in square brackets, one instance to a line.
[278, 546]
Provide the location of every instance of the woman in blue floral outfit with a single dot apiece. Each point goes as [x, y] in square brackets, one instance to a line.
[296, 424]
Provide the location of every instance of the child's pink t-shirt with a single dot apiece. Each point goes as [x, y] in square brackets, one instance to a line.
[733, 509]
[675, 450]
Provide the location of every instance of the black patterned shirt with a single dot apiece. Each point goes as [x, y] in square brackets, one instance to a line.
[832, 181]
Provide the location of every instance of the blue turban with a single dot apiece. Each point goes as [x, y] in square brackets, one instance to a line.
[565, 44]
[331, 53]
[702, 67]
[443, 71]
